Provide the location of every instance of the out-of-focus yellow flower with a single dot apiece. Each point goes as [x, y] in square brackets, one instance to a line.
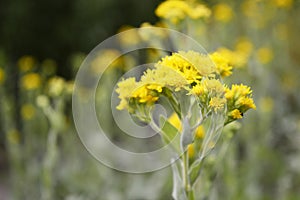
[42, 101]
[56, 86]
[283, 3]
[177, 10]
[223, 12]
[264, 55]
[200, 132]
[106, 58]
[244, 45]
[175, 121]
[129, 36]
[266, 104]
[217, 103]
[26, 63]
[191, 150]
[250, 8]
[237, 59]
[27, 111]
[2, 76]
[31, 81]
[222, 64]
[13, 136]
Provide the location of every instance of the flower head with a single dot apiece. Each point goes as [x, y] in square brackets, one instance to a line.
[31, 81]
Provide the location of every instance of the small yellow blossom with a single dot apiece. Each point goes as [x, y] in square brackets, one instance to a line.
[214, 87]
[26, 63]
[217, 103]
[191, 150]
[239, 97]
[235, 58]
[129, 36]
[27, 111]
[42, 101]
[283, 3]
[200, 132]
[147, 93]
[222, 64]
[31, 81]
[177, 10]
[175, 121]
[264, 55]
[223, 12]
[125, 89]
[104, 59]
[56, 85]
[236, 114]
[244, 45]
[2, 76]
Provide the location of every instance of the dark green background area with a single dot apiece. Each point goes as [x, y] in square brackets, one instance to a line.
[57, 28]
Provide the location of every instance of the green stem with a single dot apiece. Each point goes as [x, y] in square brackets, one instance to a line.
[186, 179]
[49, 164]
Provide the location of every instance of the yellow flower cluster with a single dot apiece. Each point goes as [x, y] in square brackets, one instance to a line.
[177, 10]
[194, 74]
[239, 100]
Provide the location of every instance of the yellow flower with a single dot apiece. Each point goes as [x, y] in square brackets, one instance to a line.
[244, 46]
[264, 55]
[239, 97]
[217, 103]
[129, 36]
[222, 64]
[125, 89]
[213, 87]
[200, 132]
[191, 150]
[42, 101]
[176, 10]
[104, 59]
[283, 3]
[236, 114]
[246, 103]
[31, 81]
[56, 85]
[175, 121]
[147, 93]
[223, 12]
[235, 58]
[26, 63]
[197, 90]
[27, 111]
[2, 76]
[165, 77]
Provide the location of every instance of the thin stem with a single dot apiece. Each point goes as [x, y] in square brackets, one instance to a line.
[186, 179]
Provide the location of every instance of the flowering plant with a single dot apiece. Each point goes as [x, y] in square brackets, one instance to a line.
[200, 106]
